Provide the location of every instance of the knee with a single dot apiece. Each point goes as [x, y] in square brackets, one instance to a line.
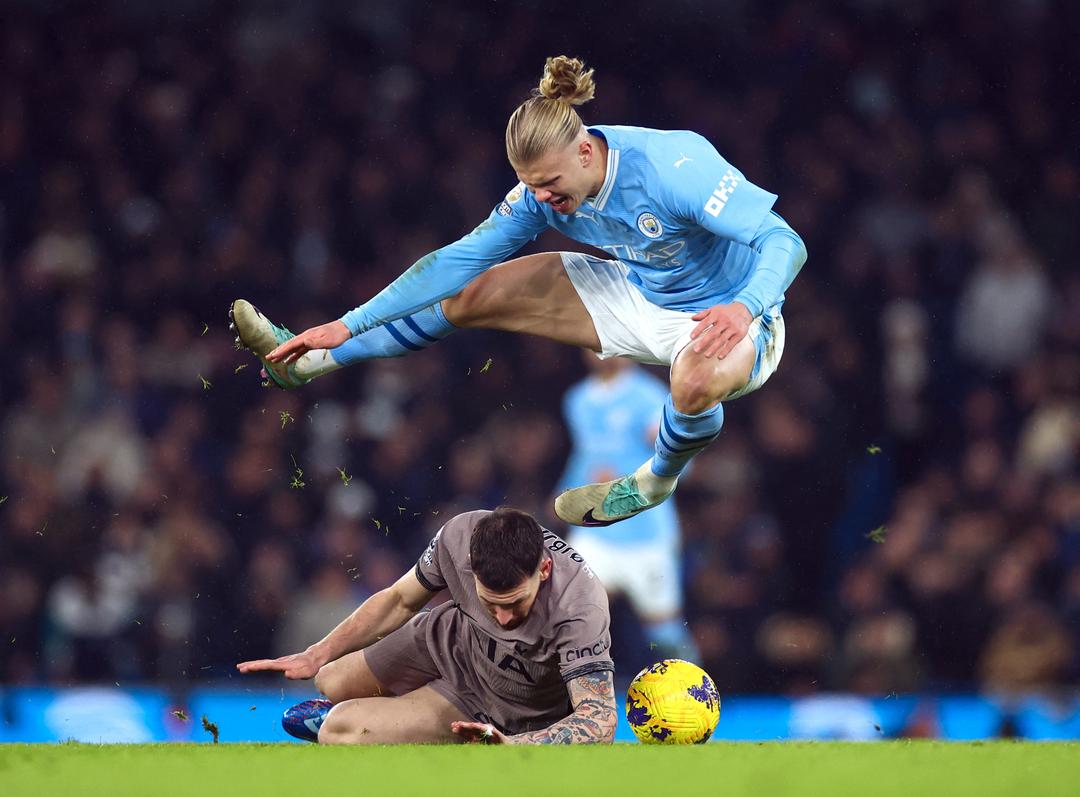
[336, 730]
[342, 727]
[328, 680]
[694, 392]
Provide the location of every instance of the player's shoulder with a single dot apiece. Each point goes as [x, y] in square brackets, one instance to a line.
[576, 584]
[460, 527]
[634, 137]
[519, 200]
[669, 163]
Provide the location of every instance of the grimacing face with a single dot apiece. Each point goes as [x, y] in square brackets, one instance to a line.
[510, 609]
[564, 178]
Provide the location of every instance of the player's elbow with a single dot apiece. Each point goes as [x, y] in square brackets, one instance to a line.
[801, 254]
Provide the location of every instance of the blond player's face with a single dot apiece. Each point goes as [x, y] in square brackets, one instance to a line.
[510, 609]
[562, 178]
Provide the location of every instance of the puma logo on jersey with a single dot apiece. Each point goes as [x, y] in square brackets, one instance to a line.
[722, 193]
[682, 160]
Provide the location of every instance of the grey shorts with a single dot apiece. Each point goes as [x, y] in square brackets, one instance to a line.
[437, 648]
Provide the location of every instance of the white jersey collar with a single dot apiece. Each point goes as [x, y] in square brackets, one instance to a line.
[604, 193]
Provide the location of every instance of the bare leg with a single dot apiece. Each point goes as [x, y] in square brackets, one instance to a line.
[699, 383]
[348, 678]
[422, 716]
[531, 294]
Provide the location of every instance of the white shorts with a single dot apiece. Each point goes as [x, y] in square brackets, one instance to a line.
[647, 574]
[629, 325]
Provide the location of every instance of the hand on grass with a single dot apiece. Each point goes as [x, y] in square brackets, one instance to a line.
[479, 733]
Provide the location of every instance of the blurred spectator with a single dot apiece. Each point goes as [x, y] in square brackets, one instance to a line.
[1031, 650]
[899, 509]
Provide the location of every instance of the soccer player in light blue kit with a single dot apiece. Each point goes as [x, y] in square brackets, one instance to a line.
[613, 416]
[701, 265]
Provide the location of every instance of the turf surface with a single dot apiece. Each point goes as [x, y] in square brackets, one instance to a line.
[912, 769]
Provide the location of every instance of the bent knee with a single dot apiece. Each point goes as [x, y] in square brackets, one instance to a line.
[700, 383]
[344, 725]
[697, 392]
[336, 730]
[329, 680]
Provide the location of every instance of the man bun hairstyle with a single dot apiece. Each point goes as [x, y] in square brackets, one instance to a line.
[505, 548]
[566, 80]
[547, 120]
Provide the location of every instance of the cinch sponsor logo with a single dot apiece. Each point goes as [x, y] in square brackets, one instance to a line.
[588, 651]
[722, 193]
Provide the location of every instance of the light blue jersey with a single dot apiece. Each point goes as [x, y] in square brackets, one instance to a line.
[612, 426]
[693, 230]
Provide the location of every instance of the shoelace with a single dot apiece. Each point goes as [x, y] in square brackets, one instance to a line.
[623, 496]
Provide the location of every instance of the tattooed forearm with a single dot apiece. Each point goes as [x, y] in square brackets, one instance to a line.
[575, 729]
[594, 719]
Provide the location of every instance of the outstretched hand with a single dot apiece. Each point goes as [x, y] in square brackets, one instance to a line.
[325, 336]
[296, 666]
[479, 732]
[720, 328]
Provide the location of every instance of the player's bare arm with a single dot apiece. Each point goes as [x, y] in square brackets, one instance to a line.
[593, 721]
[381, 614]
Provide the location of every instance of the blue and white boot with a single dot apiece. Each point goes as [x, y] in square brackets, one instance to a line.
[304, 719]
[605, 503]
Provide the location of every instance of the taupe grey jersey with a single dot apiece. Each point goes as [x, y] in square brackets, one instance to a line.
[565, 635]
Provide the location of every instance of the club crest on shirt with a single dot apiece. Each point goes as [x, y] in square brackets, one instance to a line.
[515, 194]
[649, 225]
[429, 554]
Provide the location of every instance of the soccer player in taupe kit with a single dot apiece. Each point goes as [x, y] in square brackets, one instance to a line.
[519, 654]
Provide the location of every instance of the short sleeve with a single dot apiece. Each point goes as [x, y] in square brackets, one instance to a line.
[697, 185]
[428, 568]
[584, 643]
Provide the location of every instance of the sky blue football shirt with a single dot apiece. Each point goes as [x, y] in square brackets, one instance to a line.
[678, 214]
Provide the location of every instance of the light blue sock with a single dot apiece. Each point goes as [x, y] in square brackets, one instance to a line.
[396, 338]
[682, 437]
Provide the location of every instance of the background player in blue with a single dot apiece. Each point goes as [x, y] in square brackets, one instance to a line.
[613, 416]
[702, 265]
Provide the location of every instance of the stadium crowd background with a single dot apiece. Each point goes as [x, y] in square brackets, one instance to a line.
[163, 517]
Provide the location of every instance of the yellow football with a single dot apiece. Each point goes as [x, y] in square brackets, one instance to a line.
[673, 702]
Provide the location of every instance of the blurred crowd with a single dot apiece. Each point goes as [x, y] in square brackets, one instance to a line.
[898, 509]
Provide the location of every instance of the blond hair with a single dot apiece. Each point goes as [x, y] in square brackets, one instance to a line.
[547, 120]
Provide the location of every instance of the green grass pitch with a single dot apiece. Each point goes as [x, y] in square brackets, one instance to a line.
[911, 769]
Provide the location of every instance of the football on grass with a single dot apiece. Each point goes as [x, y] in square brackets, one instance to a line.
[673, 702]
